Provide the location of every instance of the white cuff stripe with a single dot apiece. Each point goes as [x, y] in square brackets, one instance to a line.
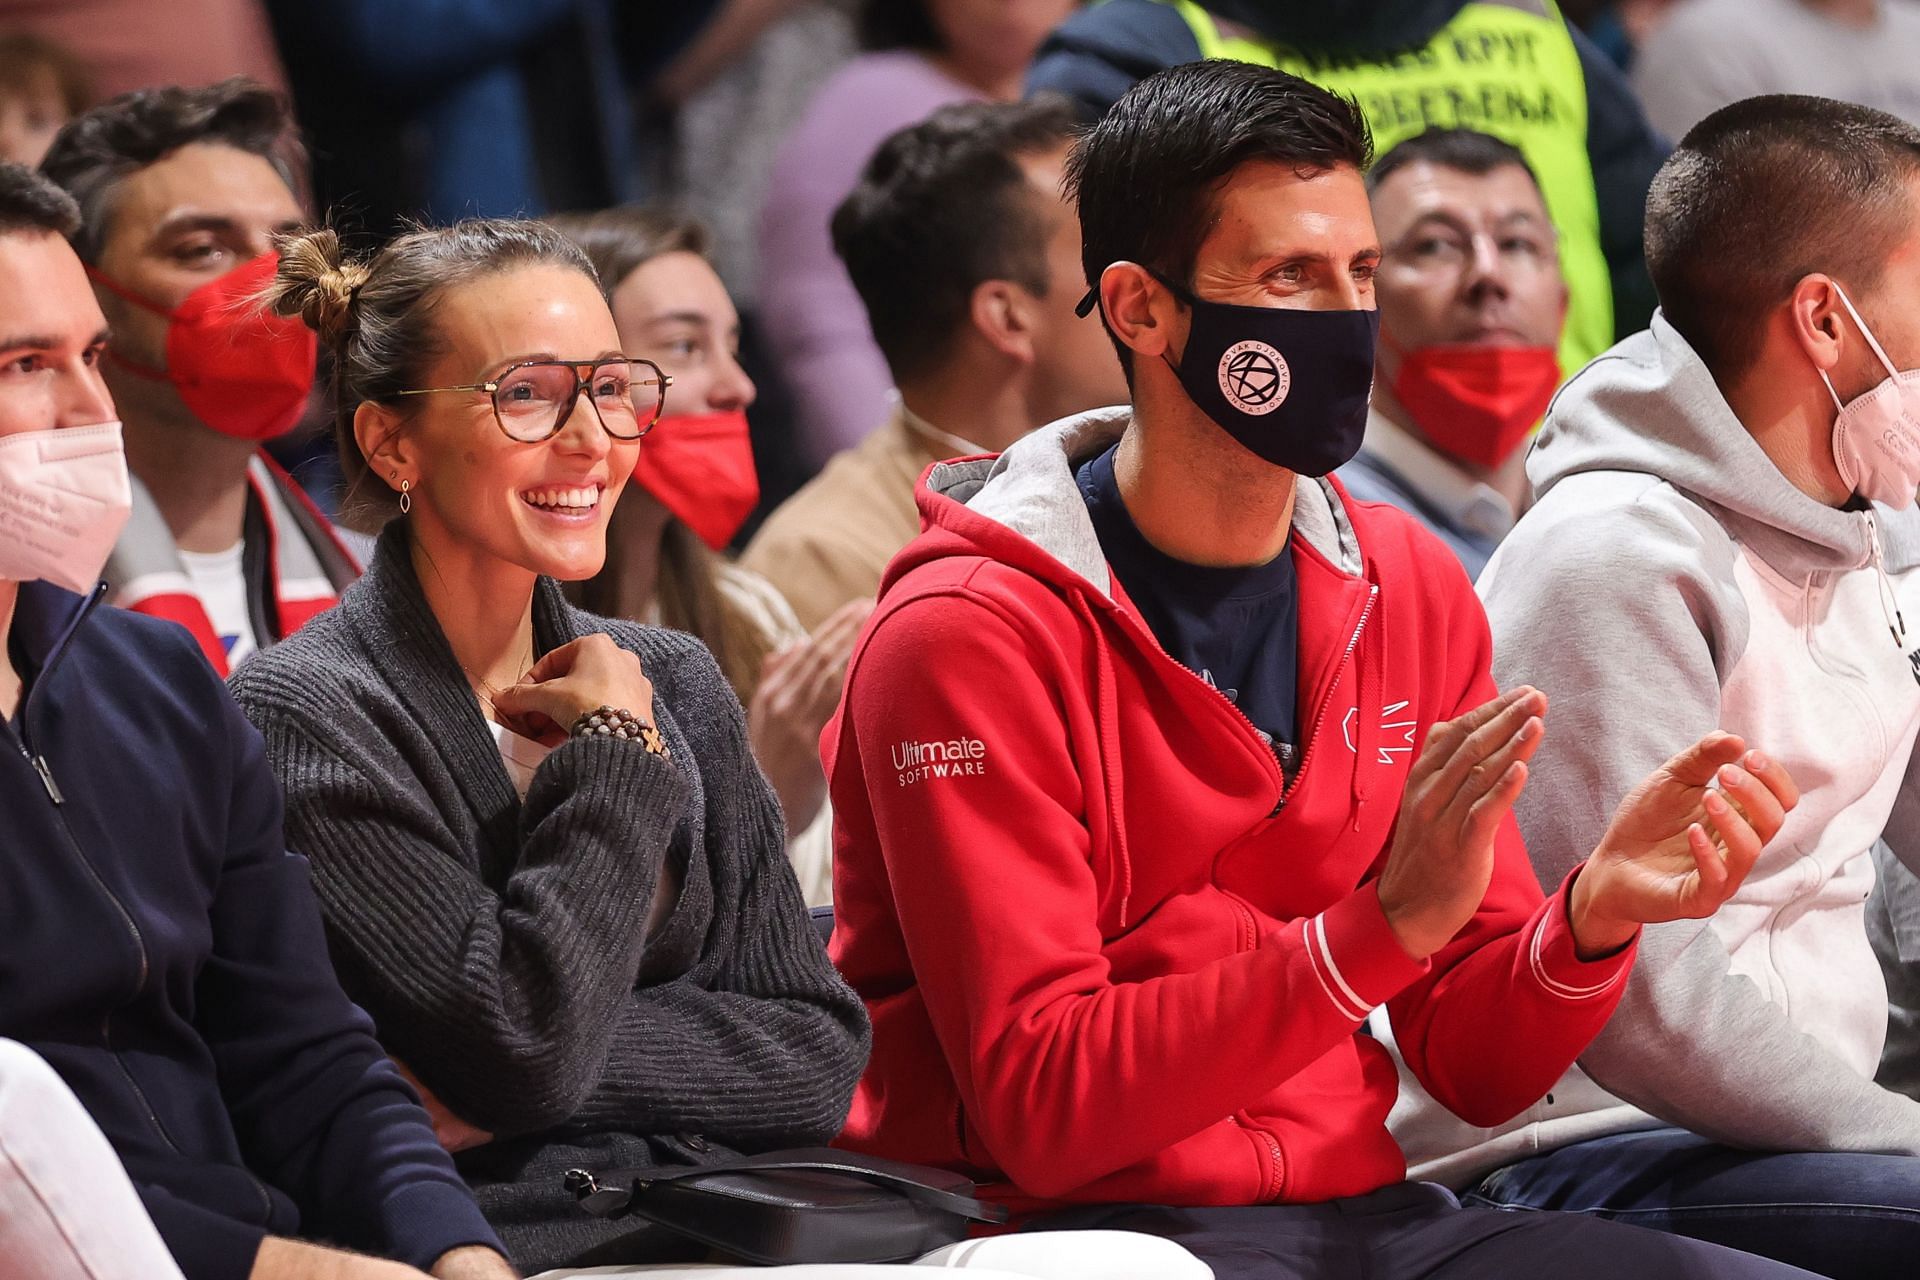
[1562, 989]
[1320, 930]
[1313, 963]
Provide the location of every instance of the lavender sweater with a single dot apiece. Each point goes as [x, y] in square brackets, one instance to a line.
[815, 321]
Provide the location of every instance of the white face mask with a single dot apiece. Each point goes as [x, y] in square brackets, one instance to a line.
[64, 497]
[1876, 437]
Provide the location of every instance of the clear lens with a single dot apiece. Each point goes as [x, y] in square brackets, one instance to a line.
[533, 400]
[614, 388]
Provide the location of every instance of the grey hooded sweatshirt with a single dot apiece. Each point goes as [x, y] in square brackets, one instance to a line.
[1671, 581]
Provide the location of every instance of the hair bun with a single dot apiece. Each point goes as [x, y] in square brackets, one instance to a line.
[316, 281]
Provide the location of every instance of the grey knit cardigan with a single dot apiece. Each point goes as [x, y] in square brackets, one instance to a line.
[501, 947]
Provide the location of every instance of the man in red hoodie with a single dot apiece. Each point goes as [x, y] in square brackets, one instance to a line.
[1163, 762]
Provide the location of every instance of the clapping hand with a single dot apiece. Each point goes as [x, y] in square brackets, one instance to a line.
[1679, 846]
[798, 691]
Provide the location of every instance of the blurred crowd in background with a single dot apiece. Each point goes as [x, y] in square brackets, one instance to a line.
[755, 118]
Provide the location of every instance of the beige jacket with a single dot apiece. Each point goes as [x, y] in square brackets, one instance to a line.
[829, 543]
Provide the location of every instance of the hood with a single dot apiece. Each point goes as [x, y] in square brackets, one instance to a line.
[1650, 406]
[1341, 26]
[1024, 509]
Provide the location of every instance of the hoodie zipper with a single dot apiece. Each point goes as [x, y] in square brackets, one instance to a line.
[44, 771]
[59, 800]
[1253, 730]
[54, 794]
[1326, 702]
[1276, 1178]
[1289, 782]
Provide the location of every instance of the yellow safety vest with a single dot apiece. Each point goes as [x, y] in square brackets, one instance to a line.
[1504, 67]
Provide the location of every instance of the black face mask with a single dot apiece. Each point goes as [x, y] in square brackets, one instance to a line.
[1291, 386]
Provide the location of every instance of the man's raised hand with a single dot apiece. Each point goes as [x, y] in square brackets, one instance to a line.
[1678, 847]
[1469, 773]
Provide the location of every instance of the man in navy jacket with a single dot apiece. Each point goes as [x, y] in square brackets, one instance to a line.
[162, 950]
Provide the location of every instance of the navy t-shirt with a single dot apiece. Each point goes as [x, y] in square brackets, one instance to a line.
[1237, 629]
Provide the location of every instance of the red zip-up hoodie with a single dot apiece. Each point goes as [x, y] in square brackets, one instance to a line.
[1110, 955]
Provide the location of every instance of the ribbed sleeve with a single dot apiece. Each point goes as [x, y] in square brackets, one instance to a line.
[757, 1057]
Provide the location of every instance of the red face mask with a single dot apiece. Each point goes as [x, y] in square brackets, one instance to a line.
[1477, 402]
[700, 466]
[243, 371]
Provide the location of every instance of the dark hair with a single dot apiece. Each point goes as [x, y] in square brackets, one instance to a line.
[29, 202]
[1762, 193]
[123, 135]
[377, 317]
[22, 53]
[1146, 176]
[944, 205]
[1467, 150]
[898, 24]
[620, 241]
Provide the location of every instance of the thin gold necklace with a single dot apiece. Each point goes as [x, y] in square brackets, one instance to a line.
[487, 692]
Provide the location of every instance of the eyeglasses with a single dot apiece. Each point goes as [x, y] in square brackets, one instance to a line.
[532, 399]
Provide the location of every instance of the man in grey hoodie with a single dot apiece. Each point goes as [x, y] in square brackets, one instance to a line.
[1723, 536]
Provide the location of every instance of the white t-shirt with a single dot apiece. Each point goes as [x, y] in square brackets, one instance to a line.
[520, 755]
[219, 579]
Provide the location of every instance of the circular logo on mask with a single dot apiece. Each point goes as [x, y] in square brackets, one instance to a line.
[1254, 377]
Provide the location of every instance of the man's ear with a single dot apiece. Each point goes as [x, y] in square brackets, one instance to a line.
[1815, 318]
[1006, 317]
[1139, 310]
[388, 449]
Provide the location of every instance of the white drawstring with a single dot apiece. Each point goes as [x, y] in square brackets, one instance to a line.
[1889, 602]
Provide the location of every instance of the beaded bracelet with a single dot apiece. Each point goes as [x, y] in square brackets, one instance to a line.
[618, 722]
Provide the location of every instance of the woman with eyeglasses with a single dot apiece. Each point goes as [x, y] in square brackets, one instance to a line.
[549, 866]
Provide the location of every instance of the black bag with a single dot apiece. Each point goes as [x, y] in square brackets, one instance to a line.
[789, 1207]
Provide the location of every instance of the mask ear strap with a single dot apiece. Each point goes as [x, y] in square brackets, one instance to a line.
[119, 290]
[1830, 391]
[1865, 333]
[1183, 295]
[1186, 298]
[1091, 298]
[1087, 303]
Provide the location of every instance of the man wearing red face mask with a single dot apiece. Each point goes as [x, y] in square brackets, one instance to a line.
[1471, 305]
[181, 192]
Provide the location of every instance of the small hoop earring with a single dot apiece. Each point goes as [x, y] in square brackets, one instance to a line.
[406, 496]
